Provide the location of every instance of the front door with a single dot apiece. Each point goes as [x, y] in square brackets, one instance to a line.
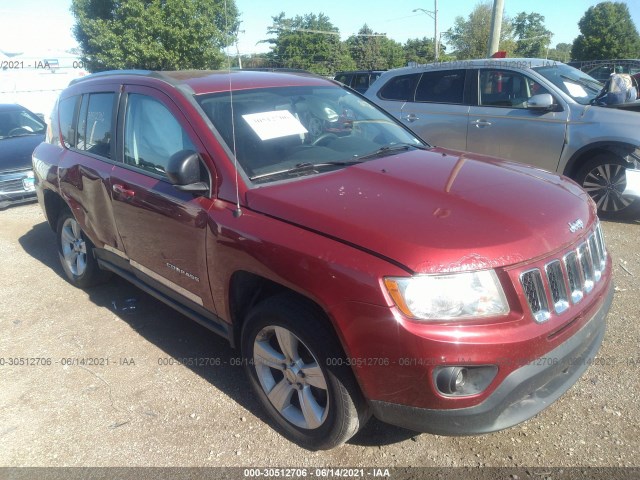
[163, 230]
[502, 125]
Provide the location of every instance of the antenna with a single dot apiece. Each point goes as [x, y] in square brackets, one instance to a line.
[238, 211]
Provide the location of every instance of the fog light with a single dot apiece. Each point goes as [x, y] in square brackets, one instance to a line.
[464, 380]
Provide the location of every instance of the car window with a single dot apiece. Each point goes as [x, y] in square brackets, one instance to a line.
[95, 124]
[441, 87]
[343, 78]
[504, 88]
[401, 88]
[152, 134]
[361, 82]
[274, 129]
[66, 112]
[17, 123]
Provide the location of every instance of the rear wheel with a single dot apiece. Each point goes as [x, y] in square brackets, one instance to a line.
[604, 179]
[76, 253]
[293, 363]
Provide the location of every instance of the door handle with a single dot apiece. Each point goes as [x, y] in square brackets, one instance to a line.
[412, 117]
[126, 193]
[481, 123]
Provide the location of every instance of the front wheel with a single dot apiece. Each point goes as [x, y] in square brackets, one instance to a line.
[604, 179]
[291, 359]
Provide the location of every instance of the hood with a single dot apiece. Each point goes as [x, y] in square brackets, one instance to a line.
[435, 211]
[15, 152]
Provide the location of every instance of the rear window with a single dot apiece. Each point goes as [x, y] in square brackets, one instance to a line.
[401, 88]
[95, 124]
[441, 87]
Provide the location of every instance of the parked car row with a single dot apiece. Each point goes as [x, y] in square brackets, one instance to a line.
[532, 111]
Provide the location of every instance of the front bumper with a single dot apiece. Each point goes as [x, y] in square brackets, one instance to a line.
[521, 395]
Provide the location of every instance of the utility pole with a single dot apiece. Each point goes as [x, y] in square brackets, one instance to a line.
[496, 27]
[433, 14]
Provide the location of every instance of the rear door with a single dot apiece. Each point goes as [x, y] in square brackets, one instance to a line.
[87, 125]
[501, 125]
[432, 104]
[163, 230]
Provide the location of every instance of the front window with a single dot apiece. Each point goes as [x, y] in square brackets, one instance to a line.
[18, 123]
[284, 132]
[505, 88]
[152, 135]
[578, 85]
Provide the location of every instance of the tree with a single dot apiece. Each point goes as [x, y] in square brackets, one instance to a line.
[309, 42]
[533, 38]
[470, 38]
[153, 34]
[421, 50]
[373, 51]
[561, 53]
[606, 32]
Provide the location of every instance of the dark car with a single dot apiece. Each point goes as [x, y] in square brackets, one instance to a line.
[359, 80]
[602, 69]
[20, 132]
[358, 270]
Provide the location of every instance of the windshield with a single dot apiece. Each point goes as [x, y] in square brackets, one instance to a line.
[299, 131]
[17, 123]
[578, 85]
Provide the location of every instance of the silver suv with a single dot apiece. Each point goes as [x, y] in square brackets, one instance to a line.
[527, 110]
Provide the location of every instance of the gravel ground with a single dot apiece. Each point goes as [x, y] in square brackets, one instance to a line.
[138, 411]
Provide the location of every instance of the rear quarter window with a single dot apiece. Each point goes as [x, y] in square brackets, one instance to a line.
[66, 113]
[400, 88]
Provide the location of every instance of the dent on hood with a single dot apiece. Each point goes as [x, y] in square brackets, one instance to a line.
[469, 262]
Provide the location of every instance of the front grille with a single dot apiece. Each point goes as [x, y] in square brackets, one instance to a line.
[11, 186]
[565, 281]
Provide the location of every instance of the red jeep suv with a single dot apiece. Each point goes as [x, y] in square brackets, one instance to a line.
[358, 270]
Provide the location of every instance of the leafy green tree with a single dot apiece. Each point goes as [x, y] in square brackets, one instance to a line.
[374, 51]
[561, 53]
[470, 38]
[153, 34]
[606, 32]
[421, 50]
[533, 38]
[310, 42]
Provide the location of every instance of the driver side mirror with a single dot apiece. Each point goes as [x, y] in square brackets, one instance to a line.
[184, 172]
[542, 101]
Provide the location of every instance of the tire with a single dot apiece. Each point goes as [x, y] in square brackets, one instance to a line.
[76, 255]
[287, 349]
[604, 180]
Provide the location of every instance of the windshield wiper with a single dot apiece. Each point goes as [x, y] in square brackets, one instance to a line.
[304, 167]
[390, 149]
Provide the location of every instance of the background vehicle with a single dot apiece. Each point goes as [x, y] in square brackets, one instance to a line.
[601, 69]
[20, 132]
[359, 80]
[526, 110]
[358, 270]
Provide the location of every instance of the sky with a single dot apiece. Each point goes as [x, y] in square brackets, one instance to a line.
[31, 26]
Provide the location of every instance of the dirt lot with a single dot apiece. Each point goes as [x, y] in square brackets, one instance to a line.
[131, 407]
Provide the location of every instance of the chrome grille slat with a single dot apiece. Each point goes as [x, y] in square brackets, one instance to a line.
[534, 291]
[557, 286]
[567, 280]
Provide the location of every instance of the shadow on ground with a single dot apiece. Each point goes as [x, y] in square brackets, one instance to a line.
[181, 338]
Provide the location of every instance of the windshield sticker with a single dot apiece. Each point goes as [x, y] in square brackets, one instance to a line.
[575, 90]
[268, 125]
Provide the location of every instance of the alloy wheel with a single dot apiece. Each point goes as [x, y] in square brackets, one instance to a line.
[291, 377]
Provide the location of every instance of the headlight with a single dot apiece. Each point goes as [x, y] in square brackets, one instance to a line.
[449, 297]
